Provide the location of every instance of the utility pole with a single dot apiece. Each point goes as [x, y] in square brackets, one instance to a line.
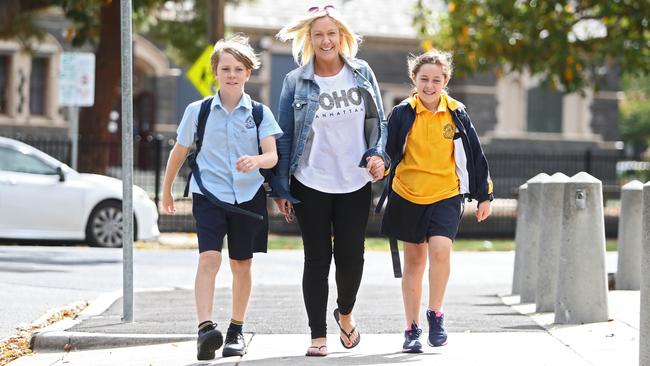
[216, 24]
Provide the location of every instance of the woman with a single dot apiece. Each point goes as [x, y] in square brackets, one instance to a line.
[333, 147]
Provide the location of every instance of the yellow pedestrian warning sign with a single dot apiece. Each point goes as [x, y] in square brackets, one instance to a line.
[200, 74]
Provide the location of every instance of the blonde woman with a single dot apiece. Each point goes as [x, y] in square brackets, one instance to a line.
[333, 147]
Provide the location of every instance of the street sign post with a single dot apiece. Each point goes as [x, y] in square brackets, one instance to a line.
[76, 89]
[127, 160]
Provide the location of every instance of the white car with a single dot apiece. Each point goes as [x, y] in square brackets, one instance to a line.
[42, 198]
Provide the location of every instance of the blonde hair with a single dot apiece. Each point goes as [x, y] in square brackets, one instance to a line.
[433, 56]
[239, 48]
[299, 32]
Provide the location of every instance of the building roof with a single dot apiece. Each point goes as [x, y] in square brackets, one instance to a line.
[374, 18]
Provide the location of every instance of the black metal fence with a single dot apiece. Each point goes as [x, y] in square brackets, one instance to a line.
[508, 170]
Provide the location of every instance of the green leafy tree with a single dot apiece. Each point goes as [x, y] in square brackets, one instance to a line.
[94, 21]
[635, 110]
[183, 30]
[184, 34]
[98, 22]
[570, 43]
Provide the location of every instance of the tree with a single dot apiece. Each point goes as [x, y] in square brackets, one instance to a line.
[92, 21]
[98, 22]
[570, 43]
[16, 20]
[635, 111]
[183, 31]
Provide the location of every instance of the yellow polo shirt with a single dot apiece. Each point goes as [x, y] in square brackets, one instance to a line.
[427, 172]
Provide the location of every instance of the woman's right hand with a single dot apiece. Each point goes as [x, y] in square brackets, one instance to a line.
[168, 202]
[286, 208]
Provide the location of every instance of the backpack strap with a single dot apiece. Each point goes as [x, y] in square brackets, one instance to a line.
[217, 202]
[204, 112]
[202, 120]
[258, 116]
[394, 254]
[400, 114]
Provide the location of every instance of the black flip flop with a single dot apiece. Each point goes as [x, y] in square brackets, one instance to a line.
[337, 317]
[319, 348]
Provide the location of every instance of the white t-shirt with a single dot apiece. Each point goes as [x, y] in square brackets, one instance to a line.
[336, 141]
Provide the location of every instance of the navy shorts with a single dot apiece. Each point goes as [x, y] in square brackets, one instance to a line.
[246, 235]
[414, 223]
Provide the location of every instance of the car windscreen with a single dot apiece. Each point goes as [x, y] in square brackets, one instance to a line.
[16, 161]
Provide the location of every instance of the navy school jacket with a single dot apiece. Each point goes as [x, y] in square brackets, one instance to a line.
[471, 164]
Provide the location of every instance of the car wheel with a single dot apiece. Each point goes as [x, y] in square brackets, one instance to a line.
[104, 228]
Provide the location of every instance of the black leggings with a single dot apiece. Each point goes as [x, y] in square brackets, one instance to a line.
[318, 214]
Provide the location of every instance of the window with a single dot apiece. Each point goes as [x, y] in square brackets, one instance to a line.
[544, 110]
[15, 161]
[4, 82]
[37, 85]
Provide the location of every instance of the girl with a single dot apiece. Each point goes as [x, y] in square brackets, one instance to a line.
[437, 162]
[229, 163]
[331, 110]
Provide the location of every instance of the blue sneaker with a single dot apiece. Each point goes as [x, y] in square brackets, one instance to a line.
[437, 331]
[412, 340]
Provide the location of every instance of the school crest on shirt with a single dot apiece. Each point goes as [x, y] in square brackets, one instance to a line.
[249, 122]
[448, 131]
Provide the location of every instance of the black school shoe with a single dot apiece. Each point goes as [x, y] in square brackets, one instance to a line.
[235, 344]
[210, 339]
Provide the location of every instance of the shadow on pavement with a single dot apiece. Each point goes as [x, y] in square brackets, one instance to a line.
[352, 359]
[524, 327]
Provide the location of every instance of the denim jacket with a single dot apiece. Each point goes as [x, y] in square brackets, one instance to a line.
[298, 106]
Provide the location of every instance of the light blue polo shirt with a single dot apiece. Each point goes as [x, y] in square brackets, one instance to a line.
[227, 137]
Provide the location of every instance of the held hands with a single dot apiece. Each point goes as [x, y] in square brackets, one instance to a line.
[247, 163]
[376, 167]
[286, 209]
[484, 210]
[168, 202]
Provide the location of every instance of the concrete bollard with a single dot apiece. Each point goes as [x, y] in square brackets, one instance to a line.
[550, 238]
[582, 276]
[644, 329]
[520, 238]
[628, 274]
[529, 256]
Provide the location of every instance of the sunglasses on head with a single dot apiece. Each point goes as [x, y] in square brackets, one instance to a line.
[316, 9]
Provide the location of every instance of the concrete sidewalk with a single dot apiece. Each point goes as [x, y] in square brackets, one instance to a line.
[375, 349]
[611, 343]
[484, 327]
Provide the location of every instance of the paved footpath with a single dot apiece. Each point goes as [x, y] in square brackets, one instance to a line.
[485, 327]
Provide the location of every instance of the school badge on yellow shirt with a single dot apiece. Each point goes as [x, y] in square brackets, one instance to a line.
[448, 131]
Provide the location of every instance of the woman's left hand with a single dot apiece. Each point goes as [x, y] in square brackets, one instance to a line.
[484, 210]
[376, 167]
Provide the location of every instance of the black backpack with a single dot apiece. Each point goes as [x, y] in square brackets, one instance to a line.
[270, 178]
